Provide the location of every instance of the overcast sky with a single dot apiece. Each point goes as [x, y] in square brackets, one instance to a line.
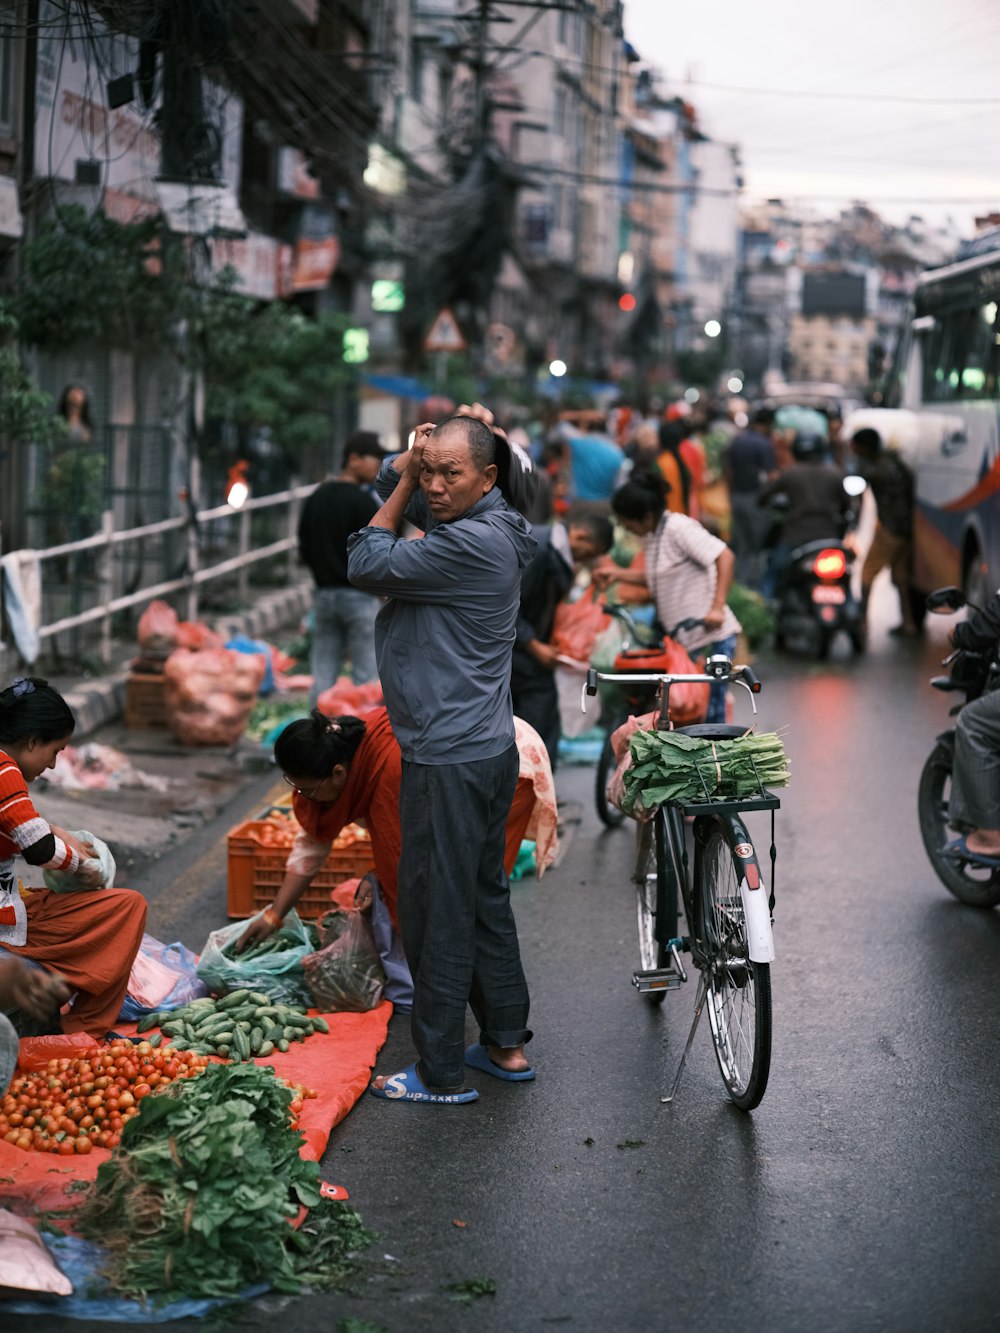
[908, 155]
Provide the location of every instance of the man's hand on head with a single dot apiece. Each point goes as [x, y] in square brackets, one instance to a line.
[483, 414]
[415, 456]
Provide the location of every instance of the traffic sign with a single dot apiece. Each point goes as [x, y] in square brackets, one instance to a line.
[444, 334]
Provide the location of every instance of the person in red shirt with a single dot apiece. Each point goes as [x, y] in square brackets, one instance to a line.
[343, 770]
[89, 939]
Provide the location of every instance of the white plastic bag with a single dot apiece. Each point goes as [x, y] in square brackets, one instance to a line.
[62, 881]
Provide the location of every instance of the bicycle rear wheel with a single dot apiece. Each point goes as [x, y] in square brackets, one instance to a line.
[738, 989]
[652, 887]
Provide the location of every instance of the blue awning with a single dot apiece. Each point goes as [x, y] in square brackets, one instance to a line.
[399, 386]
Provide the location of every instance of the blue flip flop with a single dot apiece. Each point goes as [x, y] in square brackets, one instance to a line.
[961, 851]
[406, 1086]
[477, 1056]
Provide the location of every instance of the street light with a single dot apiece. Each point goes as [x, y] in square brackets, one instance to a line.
[734, 384]
[713, 328]
[557, 369]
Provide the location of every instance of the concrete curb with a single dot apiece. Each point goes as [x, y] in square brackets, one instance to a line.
[95, 703]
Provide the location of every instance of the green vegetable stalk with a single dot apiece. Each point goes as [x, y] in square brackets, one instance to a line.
[669, 766]
[200, 1196]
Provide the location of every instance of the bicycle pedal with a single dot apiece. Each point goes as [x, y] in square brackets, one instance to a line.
[658, 979]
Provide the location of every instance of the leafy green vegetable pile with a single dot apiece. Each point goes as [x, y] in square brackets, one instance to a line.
[669, 766]
[200, 1196]
[269, 714]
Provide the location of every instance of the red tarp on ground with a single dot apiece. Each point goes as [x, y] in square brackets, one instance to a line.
[337, 1064]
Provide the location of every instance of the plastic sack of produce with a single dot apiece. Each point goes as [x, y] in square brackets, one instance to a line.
[163, 976]
[157, 631]
[211, 694]
[273, 968]
[241, 644]
[61, 881]
[346, 974]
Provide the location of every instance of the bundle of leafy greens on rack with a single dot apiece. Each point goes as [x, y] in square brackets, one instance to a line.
[200, 1197]
[669, 766]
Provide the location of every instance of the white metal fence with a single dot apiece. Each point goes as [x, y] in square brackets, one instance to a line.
[196, 532]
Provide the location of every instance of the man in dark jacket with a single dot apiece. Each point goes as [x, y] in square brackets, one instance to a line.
[546, 581]
[975, 779]
[343, 617]
[748, 462]
[443, 641]
[817, 506]
[891, 483]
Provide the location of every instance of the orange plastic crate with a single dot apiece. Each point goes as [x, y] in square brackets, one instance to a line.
[255, 872]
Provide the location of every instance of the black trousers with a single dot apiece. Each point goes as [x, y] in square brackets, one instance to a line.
[455, 914]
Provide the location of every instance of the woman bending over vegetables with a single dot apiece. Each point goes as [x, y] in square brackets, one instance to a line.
[88, 938]
[342, 770]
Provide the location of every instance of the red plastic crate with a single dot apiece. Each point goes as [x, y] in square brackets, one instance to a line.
[255, 872]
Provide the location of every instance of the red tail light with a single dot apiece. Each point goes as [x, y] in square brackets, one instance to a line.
[830, 564]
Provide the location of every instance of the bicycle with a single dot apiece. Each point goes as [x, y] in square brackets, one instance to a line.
[638, 654]
[726, 906]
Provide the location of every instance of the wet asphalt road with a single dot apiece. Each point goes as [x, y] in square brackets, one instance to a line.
[864, 1192]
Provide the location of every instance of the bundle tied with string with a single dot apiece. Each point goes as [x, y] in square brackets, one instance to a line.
[670, 766]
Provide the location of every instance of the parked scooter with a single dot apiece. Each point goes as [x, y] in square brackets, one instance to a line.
[972, 674]
[816, 597]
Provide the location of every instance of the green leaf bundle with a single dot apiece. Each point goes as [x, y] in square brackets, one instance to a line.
[200, 1196]
[669, 766]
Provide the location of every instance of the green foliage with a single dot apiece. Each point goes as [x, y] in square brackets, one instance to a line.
[269, 365]
[700, 368]
[471, 1289]
[753, 613]
[88, 278]
[27, 413]
[199, 1196]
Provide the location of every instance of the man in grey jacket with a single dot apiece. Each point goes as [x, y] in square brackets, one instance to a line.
[443, 643]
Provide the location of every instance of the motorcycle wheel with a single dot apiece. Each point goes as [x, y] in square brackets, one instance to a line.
[977, 886]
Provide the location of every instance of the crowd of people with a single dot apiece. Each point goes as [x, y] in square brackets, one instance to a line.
[440, 571]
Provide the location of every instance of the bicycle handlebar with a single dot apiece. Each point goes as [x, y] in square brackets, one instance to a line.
[720, 668]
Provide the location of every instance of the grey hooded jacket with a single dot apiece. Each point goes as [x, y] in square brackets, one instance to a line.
[444, 638]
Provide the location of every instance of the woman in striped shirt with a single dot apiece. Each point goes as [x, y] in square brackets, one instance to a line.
[88, 938]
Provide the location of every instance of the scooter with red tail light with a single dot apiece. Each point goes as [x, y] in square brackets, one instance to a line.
[817, 601]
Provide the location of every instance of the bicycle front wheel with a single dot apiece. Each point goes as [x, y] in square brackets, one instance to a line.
[738, 989]
[609, 816]
[652, 888]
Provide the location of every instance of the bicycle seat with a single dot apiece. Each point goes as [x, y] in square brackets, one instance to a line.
[712, 731]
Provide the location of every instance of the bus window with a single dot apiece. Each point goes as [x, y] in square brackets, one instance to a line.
[961, 355]
[979, 363]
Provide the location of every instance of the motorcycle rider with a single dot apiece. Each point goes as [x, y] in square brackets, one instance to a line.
[975, 780]
[818, 507]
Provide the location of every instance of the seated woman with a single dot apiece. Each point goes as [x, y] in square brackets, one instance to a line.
[88, 938]
[343, 769]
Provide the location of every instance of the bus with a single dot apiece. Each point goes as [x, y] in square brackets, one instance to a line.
[942, 413]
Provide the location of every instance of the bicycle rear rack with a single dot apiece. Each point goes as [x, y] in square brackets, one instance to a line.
[671, 977]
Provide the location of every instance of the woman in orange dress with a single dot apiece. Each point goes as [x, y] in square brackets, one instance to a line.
[344, 770]
[90, 939]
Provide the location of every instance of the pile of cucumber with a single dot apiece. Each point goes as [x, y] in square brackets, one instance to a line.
[237, 1027]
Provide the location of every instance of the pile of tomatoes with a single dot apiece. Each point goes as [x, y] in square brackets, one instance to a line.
[75, 1105]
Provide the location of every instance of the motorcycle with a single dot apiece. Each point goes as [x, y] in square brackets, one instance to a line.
[972, 674]
[816, 597]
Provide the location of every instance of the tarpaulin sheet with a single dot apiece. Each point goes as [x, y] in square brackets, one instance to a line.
[337, 1064]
